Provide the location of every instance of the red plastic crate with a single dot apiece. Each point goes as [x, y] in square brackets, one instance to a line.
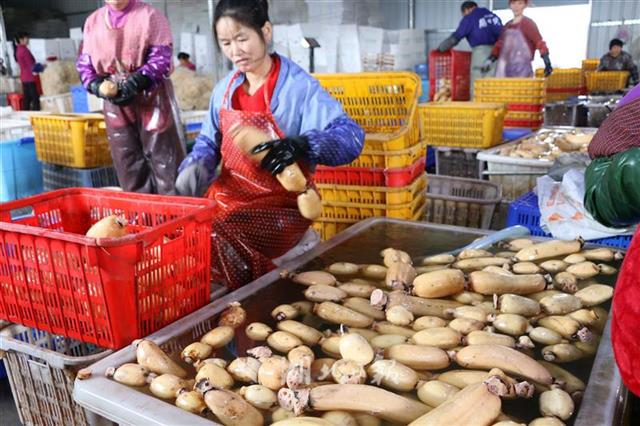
[15, 101]
[529, 124]
[454, 65]
[106, 291]
[363, 176]
[525, 107]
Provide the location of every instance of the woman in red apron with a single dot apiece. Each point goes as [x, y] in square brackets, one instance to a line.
[612, 183]
[258, 220]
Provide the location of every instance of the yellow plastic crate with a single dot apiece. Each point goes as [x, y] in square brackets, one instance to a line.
[390, 159]
[606, 81]
[383, 104]
[562, 78]
[590, 64]
[327, 228]
[72, 140]
[510, 98]
[372, 194]
[359, 211]
[523, 115]
[462, 124]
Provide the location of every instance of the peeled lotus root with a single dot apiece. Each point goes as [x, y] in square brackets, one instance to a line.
[108, 89]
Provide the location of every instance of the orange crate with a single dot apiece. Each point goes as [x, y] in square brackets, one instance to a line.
[606, 81]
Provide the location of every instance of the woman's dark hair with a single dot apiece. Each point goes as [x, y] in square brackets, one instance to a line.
[250, 13]
[16, 40]
[183, 55]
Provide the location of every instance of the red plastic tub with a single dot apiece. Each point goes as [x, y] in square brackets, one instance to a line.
[363, 176]
[106, 291]
[453, 65]
[15, 101]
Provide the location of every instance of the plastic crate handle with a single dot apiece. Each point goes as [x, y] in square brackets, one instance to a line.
[26, 140]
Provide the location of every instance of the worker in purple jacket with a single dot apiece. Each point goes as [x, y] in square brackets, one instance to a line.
[129, 43]
[482, 28]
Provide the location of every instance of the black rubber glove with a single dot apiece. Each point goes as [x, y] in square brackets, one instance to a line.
[130, 87]
[448, 43]
[282, 152]
[548, 69]
[94, 85]
[487, 64]
[194, 180]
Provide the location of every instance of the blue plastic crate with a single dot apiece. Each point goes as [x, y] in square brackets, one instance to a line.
[79, 99]
[514, 133]
[58, 177]
[431, 157]
[525, 211]
[20, 171]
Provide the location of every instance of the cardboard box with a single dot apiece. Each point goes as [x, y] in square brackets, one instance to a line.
[67, 49]
[42, 48]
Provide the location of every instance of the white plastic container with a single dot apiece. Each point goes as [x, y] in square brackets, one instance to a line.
[57, 104]
[517, 176]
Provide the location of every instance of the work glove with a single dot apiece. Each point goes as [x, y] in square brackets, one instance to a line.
[486, 66]
[447, 43]
[194, 180]
[548, 69]
[129, 88]
[38, 68]
[94, 85]
[282, 152]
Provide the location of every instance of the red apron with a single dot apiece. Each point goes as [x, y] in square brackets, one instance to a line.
[257, 219]
[625, 324]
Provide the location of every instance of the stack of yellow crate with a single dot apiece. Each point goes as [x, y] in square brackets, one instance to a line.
[523, 97]
[590, 64]
[385, 105]
[562, 84]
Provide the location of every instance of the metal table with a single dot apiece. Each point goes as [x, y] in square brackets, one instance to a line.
[603, 400]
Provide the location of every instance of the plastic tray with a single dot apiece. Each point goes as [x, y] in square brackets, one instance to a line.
[58, 177]
[526, 211]
[392, 178]
[454, 66]
[461, 202]
[604, 397]
[513, 134]
[105, 291]
[462, 124]
[606, 81]
[42, 368]
[382, 103]
[524, 115]
[371, 194]
[509, 87]
[530, 124]
[72, 140]
[457, 162]
[20, 171]
[390, 159]
[516, 176]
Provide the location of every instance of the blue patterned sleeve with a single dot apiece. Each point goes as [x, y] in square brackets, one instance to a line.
[337, 144]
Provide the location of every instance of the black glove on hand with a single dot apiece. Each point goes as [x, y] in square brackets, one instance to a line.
[130, 87]
[94, 86]
[282, 152]
[194, 180]
[447, 44]
[548, 69]
[487, 64]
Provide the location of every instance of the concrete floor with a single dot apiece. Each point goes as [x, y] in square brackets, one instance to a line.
[8, 413]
